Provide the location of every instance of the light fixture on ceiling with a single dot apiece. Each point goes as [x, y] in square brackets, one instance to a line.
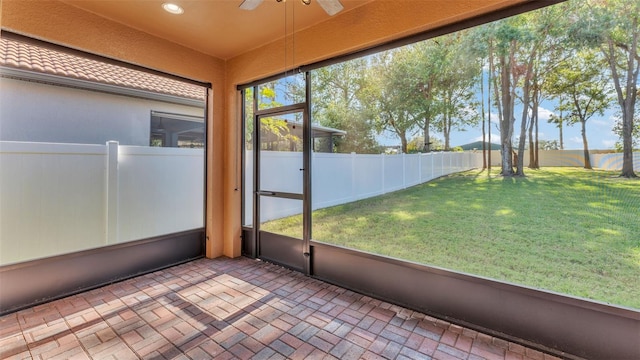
[172, 8]
[331, 7]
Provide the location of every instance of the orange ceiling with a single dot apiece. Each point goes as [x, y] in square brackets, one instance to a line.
[215, 27]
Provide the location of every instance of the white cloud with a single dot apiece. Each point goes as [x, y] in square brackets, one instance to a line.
[608, 143]
[601, 123]
[494, 117]
[495, 138]
[544, 114]
[575, 140]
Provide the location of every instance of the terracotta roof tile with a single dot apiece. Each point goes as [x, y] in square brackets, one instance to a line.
[26, 56]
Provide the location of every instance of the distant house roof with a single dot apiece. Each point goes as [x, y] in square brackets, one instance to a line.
[317, 130]
[478, 146]
[25, 56]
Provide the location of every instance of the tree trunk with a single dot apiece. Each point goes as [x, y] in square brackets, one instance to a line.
[627, 145]
[587, 158]
[447, 135]
[506, 122]
[484, 139]
[489, 115]
[403, 140]
[532, 146]
[523, 124]
[533, 143]
[427, 136]
[561, 139]
[446, 127]
[526, 104]
[484, 144]
[523, 140]
[537, 143]
[628, 103]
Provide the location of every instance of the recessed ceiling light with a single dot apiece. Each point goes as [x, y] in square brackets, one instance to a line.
[172, 8]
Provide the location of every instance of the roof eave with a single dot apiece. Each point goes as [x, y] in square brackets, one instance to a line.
[20, 74]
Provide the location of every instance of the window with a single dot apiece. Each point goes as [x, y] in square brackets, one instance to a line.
[55, 142]
[399, 182]
[175, 130]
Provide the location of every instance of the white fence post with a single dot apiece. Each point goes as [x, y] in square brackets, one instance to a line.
[111, 203]
[404, 171]
[382, 172]
[354, 195]
[420, 168]
[432, 166]
[450, 164]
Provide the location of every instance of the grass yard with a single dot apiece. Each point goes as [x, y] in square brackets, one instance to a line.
[567, 230]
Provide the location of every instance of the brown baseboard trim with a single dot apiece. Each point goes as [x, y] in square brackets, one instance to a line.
[38, 281]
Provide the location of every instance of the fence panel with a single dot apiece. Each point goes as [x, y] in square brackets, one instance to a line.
[160, 191]
[63, 198]
[52, 199]
[393, 173]
[560, 158]
[412, 170]
[613, 161]
[343, 178]
[426, 167]
[368, 175]
[332, 179]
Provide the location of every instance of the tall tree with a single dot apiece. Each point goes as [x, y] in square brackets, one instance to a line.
[550, 35]
[540, 40]
[385, 98]
[458, 76]
[484, 117]
[436, 79]
[585, 87]
[479, 45]
[337, 91]
[423, 63]
[613, 27]
[525, 73]
[504, 37]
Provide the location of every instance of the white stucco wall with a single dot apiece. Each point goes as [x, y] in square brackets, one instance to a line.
[36, 112]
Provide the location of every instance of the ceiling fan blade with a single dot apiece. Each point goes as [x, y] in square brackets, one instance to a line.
[332, 7]
[250, 4]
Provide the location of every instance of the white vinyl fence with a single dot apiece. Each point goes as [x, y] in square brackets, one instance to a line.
[574, 158]
[613, 161]
[62, 198]
[343, 178]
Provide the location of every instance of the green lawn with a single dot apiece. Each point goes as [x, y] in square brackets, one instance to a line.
[567, 230]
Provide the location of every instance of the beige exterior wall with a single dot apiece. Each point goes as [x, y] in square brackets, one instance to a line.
[371, 24]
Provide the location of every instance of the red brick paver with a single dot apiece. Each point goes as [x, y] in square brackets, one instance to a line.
[237, 309]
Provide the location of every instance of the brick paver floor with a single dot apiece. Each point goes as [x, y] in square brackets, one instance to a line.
[237, 309]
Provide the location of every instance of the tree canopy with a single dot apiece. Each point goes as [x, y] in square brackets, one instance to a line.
[580, 56]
